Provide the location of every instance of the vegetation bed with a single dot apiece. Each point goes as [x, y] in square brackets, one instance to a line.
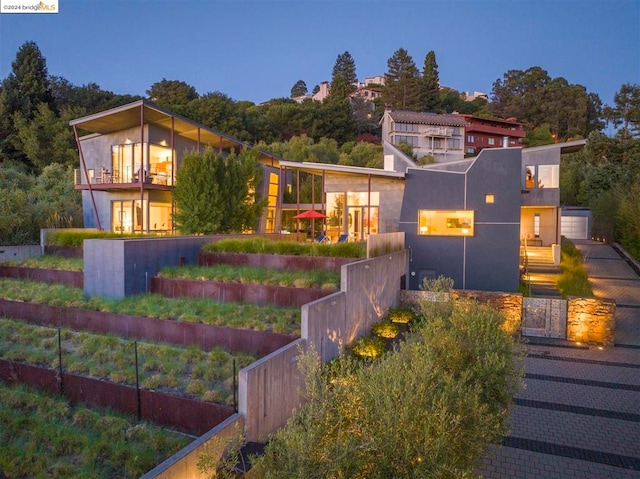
[236, 315]
[42, 436]
[47, 261]
[574, 280]
[75, 238]
[265, 246]
[251, 275]
[189, 372]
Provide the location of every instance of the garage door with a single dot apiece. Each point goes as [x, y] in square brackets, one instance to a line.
[575, 227]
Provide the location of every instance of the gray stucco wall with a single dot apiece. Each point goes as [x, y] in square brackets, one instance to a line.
[489, 260]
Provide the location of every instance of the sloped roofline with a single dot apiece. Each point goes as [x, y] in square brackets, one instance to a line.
[129, 115]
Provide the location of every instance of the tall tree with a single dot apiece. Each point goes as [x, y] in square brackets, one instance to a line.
[430, 84]
[514, 95]
[298, 89]
[402, 82]
[343, 78]
[22, 91]
[625, 111]
[216, 194]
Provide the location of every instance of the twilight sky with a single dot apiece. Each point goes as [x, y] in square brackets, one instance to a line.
[256, 50]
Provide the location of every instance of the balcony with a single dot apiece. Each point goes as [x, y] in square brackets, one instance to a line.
[438, 131]
[112, 180]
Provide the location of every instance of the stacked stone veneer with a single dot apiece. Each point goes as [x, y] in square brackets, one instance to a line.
[591, 320]
[509, 304]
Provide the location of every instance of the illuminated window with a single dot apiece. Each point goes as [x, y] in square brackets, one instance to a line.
[445, 222]
[489, 198]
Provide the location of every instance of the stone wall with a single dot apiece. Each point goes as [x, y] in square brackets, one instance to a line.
[591, 320]
[509, 304]
[588, 320]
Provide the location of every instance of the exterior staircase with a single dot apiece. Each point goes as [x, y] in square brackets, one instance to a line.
[540, 272]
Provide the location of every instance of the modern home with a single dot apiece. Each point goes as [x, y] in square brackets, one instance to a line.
[440, 137]
[484, 133]
[463, 218]
[129, 157]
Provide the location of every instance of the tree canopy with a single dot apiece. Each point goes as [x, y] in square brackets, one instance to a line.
[428, 408]
[217, 194]
[430, 84]
[533, 97]
[299, 89]
[402, 82]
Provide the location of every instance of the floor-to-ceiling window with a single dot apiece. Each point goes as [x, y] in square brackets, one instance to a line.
[358, 219]
[127, 217]
[128, 160]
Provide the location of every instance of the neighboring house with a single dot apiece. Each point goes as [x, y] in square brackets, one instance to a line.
[468, 96]
[129, 157]
[484, 133]
[428, 134]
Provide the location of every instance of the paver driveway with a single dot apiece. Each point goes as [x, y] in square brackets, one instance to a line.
[579, 414]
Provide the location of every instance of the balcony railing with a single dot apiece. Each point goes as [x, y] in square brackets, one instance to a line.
[114, 178]
[438, 131]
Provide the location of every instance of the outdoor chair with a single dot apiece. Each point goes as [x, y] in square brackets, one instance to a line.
[323, 238]
[343, 239]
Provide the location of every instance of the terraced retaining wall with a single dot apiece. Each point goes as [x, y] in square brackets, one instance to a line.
[68, 278]
[183, 414]
[229, 291]
[276, 261]
[178, 333]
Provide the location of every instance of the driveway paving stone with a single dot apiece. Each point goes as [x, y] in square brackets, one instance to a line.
[579, 413]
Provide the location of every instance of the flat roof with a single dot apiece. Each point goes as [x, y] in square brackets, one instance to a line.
[319, 168]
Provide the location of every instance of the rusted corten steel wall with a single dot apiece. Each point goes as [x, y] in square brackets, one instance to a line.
[183, 414]
[204, 336]
[68, 278]
[276, 261]
[262, 294]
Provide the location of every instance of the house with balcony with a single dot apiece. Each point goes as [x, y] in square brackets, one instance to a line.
[129, 156]
[429, 134]
[484, 133]
[465, 219]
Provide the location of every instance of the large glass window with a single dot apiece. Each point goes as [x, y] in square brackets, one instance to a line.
[161, 165]
[548, 176]
[410, 140]
[453, 143]
[409, 127]
[446, 222]
[129, 160]
[126, 216]
[357, 219]
[272, 202]
[542, 176]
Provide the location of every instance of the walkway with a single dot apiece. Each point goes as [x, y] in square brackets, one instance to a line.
[579, 414]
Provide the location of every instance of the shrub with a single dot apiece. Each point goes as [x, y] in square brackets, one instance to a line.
[386, 329]
[400, 315]
[574, 280]
[368, 348]
[75, 238]
[265, 246]
[427, 409]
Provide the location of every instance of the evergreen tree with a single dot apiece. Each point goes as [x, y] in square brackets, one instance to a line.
[430, 84]
[216, 194]
[299, 89]
[346, 67]
[22, 91]
[625, 111]
[402, 82]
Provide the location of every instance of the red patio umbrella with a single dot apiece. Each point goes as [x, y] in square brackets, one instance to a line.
[310, 215]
